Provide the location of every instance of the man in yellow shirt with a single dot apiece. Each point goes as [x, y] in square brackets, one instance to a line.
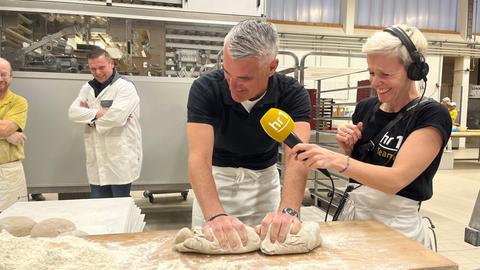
[13, 118]
[452, 109]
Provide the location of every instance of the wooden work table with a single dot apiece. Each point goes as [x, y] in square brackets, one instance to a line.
[347, 245]
[475, 133]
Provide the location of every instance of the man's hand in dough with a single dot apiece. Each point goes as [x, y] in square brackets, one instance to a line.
[281, 224]
[225, 229]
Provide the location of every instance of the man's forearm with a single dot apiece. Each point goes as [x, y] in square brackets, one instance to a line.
[81, 115]
[7, 128]
[205, 189]
[296, 174]
[293, 187]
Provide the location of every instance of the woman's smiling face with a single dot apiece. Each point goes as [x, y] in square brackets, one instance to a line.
[388, 77]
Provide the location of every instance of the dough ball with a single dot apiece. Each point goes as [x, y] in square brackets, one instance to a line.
[195, 241]
[304, 241]
[52, 227]
[17, 225]
[183, 235]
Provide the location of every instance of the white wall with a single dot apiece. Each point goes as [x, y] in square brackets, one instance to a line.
[461, 80]
[434, 77]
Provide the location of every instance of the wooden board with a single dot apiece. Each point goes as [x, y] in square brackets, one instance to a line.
[347, 245]
[465, 134]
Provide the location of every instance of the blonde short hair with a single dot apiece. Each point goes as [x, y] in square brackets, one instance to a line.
[384, 42]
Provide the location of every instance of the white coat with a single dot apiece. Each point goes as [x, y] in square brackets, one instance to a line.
[113, 146]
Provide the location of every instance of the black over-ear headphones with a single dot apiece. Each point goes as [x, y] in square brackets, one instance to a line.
[418, 69]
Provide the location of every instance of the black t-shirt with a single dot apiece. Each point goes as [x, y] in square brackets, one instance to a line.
[429, 114]
[239, 138]
[98, 86]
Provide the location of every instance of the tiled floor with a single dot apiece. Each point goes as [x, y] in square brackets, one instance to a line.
[455, 193]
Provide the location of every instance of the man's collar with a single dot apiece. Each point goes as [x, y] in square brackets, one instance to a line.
[271, 95]
[8, 96]
[96, 84]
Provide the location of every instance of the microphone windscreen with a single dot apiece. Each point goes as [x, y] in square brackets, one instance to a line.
[277, 124]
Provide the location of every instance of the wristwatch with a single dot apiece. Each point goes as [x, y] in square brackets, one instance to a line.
[291, 212]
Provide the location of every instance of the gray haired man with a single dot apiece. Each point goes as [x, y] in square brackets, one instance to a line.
[232, 162]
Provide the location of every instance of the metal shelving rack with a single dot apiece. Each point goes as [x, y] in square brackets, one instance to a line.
[192, 50]
[323, 135]
[294, 70]
[323, 112]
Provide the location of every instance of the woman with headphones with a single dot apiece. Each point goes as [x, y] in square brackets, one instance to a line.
[393, 148]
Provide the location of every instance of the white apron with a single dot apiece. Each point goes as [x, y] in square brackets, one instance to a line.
[244, 193]
[397, 212]
[13, 186]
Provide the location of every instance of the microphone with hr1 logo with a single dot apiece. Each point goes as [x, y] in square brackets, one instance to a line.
[279, 126]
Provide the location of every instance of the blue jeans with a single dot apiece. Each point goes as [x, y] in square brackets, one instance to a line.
[110, 191]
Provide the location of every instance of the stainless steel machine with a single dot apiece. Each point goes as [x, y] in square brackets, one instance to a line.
[59, 43]
[472, 231]
[51, 53]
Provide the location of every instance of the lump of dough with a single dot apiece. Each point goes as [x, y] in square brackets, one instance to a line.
[194, 241]
[304, 241]
[183, 235]
[17, 225]
[52, 227]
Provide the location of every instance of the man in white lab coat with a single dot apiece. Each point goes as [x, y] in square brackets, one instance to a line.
[109, 108]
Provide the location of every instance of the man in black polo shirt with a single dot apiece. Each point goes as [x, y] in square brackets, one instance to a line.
[232, 161]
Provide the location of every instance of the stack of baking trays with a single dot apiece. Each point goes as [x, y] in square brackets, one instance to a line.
[92, 216]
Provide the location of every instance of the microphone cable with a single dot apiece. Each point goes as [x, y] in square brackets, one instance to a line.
[342, 202]
[333, 193]
[416, 108]
[331, 199]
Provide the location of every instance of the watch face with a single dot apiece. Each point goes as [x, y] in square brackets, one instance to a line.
[290, 211]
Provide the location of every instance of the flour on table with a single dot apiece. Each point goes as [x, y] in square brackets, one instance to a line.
[74, 233]
[72, 253]
[304, 241]
[54, 253]
[195, 241]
